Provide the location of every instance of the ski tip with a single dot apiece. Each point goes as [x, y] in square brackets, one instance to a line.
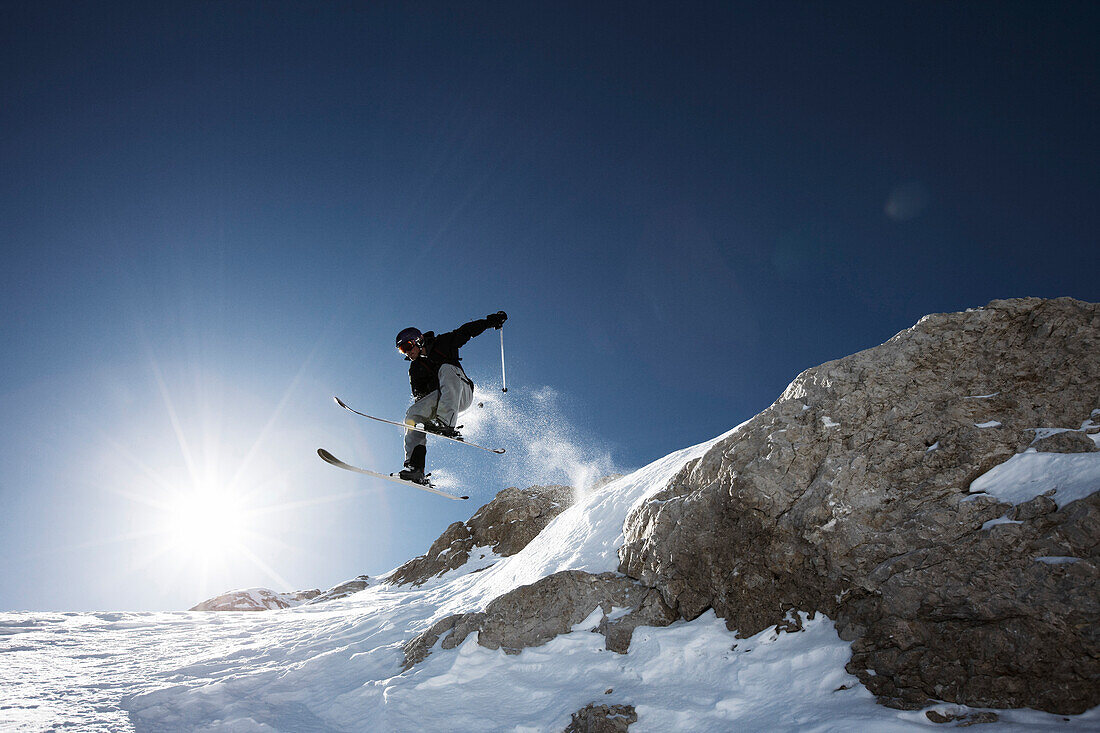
[498, 451]
[325, 455]
[463, 497]
[338, 401]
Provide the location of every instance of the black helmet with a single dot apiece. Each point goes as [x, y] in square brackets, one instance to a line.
[407, 337]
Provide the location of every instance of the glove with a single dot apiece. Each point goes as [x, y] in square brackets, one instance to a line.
[496, 320]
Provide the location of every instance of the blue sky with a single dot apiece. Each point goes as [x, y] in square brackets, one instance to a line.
[216, 216]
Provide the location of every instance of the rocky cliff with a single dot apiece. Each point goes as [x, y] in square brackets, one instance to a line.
[850, 495]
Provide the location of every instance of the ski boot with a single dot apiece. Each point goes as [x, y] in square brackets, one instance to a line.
[413, 475]
[414, 466]
[439, 427]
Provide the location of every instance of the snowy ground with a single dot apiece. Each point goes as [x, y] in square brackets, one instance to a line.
[337, 666]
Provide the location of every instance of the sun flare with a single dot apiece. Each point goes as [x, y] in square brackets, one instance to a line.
[207, 522]
[213, 508]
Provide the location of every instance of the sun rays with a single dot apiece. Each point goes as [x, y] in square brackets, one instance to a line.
[212, 482]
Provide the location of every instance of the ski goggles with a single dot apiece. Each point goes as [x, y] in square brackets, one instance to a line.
[406, 347]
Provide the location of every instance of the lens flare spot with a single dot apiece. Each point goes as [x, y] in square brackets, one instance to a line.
[906, 201]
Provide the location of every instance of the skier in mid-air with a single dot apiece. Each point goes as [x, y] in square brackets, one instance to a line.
[440, 387]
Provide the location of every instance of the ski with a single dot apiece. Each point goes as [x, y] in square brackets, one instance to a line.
[329, 458]
[340, 402]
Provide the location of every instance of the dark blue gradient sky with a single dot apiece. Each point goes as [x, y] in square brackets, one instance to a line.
[216, 215]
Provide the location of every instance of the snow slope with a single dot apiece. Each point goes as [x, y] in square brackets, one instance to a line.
[337, 666]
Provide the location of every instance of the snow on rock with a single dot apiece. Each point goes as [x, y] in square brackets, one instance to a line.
[532, 615]
[255, 599]
[688, 676]
[262, 599]
[343, 590]
[1066, 477]
[999, 520]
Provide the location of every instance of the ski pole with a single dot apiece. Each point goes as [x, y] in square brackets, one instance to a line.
[503, 381]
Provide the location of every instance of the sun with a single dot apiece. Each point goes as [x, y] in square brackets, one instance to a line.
[212, 507]
[207, 522]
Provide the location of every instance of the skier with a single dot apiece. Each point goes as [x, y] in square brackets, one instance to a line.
[440, 387]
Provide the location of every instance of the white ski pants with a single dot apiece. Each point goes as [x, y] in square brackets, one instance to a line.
[455, 394]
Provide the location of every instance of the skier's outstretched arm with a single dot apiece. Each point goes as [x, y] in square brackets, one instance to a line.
[467, 331]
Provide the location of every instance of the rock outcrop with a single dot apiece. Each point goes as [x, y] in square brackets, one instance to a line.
[962, 719]
[255, 599]
[532, 615]
[1068, 441]
[506, 524]
[849, 495]
[343, 590]
[263, 599]
[595, 718]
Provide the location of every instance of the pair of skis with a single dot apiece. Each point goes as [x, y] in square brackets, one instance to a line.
[329, 458]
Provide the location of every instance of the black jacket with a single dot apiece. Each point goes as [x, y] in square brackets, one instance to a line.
[438, 350]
